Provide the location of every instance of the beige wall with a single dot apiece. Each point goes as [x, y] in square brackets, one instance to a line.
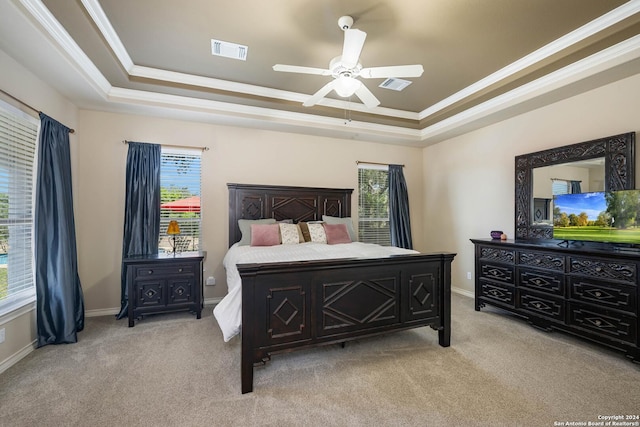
[19, 82]
[459, 189]
[469, 180]
[235, 155]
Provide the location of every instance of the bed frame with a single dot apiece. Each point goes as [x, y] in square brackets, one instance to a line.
[292, 305]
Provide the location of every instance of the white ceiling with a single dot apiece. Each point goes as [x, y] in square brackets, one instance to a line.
[484, 61]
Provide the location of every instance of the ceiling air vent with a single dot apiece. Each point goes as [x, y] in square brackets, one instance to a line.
[229, 50]
[394, 84]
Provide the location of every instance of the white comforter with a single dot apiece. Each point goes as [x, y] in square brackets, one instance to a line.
[228, 312]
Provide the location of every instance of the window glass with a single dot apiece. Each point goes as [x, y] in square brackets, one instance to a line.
[373, 204]
[180, 199]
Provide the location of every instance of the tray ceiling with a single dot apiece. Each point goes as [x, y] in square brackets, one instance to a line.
[483, 61]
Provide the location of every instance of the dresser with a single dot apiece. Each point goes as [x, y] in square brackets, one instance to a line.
[588, 292]
[161, 283]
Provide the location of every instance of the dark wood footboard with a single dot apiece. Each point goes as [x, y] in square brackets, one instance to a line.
[291, 305]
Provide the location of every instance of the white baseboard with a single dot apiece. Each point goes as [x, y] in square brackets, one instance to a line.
[18, 356]
[463, 292]
[101, 312]
[114, 311]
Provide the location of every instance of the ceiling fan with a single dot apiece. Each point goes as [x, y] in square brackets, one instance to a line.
[345, 69]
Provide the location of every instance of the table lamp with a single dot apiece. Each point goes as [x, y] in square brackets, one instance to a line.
[172, 230]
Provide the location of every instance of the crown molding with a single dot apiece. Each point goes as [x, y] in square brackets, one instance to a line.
[234, 114]
[599, 24]
[619, 54]
[66, 45]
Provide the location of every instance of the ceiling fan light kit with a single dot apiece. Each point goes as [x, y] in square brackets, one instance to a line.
[346, 68]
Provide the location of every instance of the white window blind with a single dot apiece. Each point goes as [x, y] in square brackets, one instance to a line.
[560, 186]
[18, 139]
[373, 204]
[180, 178]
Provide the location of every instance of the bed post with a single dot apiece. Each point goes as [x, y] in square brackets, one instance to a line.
[444, 334]
[246, 370]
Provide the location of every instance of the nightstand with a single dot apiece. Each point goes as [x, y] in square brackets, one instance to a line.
[162, 283]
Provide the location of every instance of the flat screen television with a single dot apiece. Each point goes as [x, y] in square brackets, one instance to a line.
[612, 217]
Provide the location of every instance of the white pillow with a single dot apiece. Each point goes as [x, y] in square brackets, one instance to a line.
[317, 233]
[290, 234]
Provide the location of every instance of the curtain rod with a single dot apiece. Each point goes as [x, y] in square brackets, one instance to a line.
[373, 163]
[29, 106]
[564, 179]
[176, 146]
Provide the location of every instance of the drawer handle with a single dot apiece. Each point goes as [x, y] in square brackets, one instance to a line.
[150, 272]
[598, 294]
[597, 322]
[598, 269]
[180, 270]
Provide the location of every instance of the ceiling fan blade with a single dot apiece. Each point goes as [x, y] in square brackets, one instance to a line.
[353, 43]
[303, 70]
[392, 71]
[367, 97]
[316, 97]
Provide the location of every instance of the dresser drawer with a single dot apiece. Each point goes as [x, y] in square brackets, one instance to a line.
[505, 256]
[542, 260]
[604, 269]
[540, 280]
[609, 323]
[545, 305]
[499, 273]
[602, 293]
[156, 271]
[497, 293]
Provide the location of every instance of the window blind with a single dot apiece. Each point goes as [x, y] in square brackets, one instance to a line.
[18, 141]
[559, 186]
[180, 178]
[373, 205]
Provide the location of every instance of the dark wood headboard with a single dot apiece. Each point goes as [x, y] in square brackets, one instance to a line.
[248, 201]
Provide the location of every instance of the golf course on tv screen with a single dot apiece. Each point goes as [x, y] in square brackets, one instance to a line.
[600, 216]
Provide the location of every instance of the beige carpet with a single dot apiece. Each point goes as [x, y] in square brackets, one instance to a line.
[174, 370]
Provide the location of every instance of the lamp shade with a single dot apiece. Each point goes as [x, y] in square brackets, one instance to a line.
[173, 228]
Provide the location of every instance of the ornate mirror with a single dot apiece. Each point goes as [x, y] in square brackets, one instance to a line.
[610, 164]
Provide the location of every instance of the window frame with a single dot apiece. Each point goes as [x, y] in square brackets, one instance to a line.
[365, 233]
[20, 299]
[191, 241]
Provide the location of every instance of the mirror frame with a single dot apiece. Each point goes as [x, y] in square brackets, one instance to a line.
[619, 163]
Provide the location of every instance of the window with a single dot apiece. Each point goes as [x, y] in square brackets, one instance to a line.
[180, 198]
[560, 186]
[18, 139]
[373, 204]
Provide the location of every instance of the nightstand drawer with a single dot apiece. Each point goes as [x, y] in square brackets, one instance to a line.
[148, 271]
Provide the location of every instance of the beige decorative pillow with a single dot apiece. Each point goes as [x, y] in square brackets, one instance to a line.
[317, 233]
[290, 234]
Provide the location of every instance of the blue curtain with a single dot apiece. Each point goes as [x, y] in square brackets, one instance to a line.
[399, 222]
[60, 303]
[575, 187]
[141, 208]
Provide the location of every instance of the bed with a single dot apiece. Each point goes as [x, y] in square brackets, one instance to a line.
[308, 300]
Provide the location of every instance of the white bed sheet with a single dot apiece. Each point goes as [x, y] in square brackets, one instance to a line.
[228, 312]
